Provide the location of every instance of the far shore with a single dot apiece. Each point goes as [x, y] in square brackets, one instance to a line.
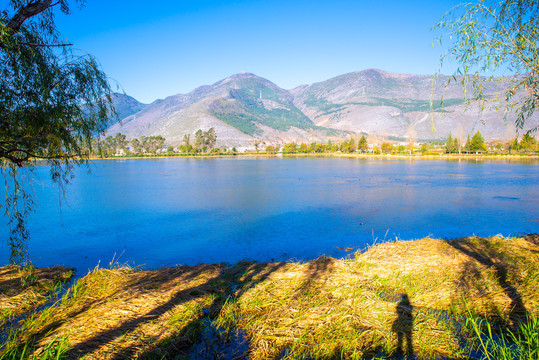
[336, 155]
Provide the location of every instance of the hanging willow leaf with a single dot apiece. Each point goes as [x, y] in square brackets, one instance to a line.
[489, 38]
[53, 100]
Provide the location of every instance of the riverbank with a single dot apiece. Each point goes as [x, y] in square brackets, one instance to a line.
[338, 155]
[325, 308]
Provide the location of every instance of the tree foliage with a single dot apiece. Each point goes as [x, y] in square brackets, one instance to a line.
[477, 143]
[53, 101]
[290, 148]
[272, 149]
[362, 144]
[492, 37]
[450, 144]
[205, 140]
[387, 148]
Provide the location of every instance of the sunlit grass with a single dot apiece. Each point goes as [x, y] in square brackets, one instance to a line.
[23, 289]
[322, 309]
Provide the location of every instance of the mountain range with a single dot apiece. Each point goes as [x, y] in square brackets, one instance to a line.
[244, 108]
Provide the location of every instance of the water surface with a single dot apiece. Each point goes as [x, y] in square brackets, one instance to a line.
[188, 211]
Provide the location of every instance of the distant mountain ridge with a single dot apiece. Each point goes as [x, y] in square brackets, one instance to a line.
[126, 105]
[244, 108]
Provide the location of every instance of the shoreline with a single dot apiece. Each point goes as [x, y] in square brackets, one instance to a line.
[323, 308]
[336, 155]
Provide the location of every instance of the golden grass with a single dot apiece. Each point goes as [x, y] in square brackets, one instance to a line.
[24, 289]
[323, 309]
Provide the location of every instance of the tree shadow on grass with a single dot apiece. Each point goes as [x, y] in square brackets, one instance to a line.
[10, 281]
[533, 238]
[82, 300]
[13, 277]
[482, 251]
[315, 275]
[230, 283]
[25, 291]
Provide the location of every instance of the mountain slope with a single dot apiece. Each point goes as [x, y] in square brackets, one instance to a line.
[399, 105]
[125, 105]
[241, 108]
[253, 100]
[244, 107]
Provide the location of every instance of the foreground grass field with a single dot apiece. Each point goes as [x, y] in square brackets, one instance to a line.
[397, 298]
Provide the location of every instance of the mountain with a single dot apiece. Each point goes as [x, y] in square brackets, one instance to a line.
[244, 107]
[384, 104]
[125, 105]
[241, 108]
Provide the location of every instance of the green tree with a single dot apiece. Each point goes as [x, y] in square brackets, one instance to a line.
[528, 142]
[270, 149]
[290, 148]
[362, 144]
[187, 143]
[52, 102]
[316, 147]
[352, 145]
[468, 146]
[109, 146]
[496, 36]
[477, 143]
[513, 145]
[257, 144]
[154, 143]
[136, 146]
[387, 148]
[144, 144]
[205, 140]
[331, 147]
[346, 147]
[456, 145]
[210, 138]
[450, 144]
[121, 142]
[199, 139]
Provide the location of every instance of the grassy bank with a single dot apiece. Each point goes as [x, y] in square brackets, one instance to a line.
[422, 291]
[24, 290]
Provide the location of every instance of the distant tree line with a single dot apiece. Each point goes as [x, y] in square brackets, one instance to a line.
[473, 145]
[147, 144]
[527, 144]
[204, 142]
[476, 144]
[346, 146]
[118, 145]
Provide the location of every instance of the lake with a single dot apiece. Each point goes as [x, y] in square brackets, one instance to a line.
[157, 212]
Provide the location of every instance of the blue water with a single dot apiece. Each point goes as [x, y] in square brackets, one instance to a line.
[189, 211]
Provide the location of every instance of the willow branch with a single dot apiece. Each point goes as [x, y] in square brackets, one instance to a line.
[45, 45]
[27, 12]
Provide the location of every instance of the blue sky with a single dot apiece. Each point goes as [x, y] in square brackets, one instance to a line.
[154, 49]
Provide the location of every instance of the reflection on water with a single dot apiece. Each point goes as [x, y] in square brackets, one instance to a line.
[171, 211]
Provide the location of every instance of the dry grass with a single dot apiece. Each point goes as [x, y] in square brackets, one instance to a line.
[322, 309]
[24, 289]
